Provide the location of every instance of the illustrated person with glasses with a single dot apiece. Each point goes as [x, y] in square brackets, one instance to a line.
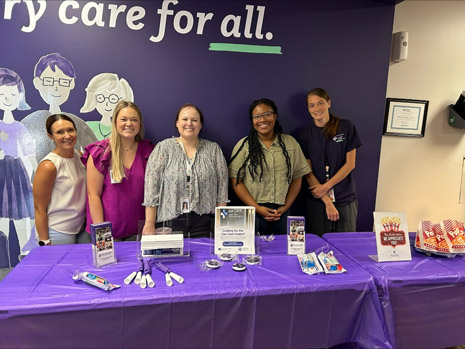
[329, 145]
[104, 91]
[266, 168]
[54, 78]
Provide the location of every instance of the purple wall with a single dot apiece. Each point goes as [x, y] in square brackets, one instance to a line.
[342, 46]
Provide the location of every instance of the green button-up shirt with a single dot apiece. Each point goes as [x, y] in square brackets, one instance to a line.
[274, 185]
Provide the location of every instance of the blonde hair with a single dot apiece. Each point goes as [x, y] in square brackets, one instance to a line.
[116, 165]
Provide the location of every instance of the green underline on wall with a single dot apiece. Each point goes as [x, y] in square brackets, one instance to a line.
[218, 46]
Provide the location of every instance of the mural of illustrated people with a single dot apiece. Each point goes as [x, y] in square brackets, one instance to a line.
[104, 91]
[17, 163]
[54, 78]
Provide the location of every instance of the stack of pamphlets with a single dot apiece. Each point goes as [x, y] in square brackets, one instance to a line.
[162, 245]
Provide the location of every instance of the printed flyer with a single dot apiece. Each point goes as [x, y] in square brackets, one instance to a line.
[235, 230]
[392, 239]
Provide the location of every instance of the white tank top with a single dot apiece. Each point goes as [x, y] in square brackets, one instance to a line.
[67, 208]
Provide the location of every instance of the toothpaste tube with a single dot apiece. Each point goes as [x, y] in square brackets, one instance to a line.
[94, 280]
[330, 263]
[309, 263]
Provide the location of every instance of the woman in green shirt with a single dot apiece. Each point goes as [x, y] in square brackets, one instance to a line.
[266, 168]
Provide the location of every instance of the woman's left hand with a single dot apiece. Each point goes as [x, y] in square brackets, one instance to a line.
[277, 214]
[281, 210]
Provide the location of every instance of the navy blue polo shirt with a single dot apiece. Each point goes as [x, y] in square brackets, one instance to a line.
[321, 150]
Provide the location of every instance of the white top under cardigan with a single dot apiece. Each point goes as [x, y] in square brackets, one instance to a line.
[67, 208]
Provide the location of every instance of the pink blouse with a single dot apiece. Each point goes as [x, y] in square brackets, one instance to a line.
[122, 202]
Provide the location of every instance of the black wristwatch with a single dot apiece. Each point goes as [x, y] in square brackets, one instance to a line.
[44, 242]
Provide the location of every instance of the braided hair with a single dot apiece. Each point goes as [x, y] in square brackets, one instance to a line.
[256, 158]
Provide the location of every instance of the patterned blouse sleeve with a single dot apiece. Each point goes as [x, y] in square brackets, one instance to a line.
[222, 174]
[154, 176]
[100, 156]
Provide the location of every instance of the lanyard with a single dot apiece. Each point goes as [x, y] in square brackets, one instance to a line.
[325, 145]
[189, 165]
[327, 172]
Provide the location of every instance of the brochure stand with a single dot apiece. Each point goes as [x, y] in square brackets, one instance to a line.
[103, 247]
[295, 235]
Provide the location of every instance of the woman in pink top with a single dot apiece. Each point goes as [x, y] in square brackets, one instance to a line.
[115, 173]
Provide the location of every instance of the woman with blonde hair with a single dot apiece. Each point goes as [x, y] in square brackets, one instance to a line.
[115, 173]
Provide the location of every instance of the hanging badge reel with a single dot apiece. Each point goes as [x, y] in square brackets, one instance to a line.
[185, 205]
[331, 195]
[112, 179]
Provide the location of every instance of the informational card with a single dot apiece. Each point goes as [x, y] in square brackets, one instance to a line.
[235, 230]
[295, 235]
[392, 239]
[103, 248]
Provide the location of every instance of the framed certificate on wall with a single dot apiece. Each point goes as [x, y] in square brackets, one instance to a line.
[405, 117]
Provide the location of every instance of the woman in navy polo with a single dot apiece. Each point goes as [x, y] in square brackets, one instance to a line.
[329, 145]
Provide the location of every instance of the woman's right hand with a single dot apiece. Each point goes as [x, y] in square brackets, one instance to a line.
[149, 229]
[268, 214]
[150, 219]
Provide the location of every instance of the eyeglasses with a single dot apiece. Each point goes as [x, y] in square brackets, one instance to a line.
[49, 81]
[266, 115]
[113, 99]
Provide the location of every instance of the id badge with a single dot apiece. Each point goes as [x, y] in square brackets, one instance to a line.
[113, 181]
[331, 195]
[185, 205]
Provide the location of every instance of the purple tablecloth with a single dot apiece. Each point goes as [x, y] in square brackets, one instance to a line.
[423, 299]
[270, 305]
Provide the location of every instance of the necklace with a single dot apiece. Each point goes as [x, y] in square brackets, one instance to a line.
[129, 149]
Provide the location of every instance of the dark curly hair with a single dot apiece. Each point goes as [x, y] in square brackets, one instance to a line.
[256, 159]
